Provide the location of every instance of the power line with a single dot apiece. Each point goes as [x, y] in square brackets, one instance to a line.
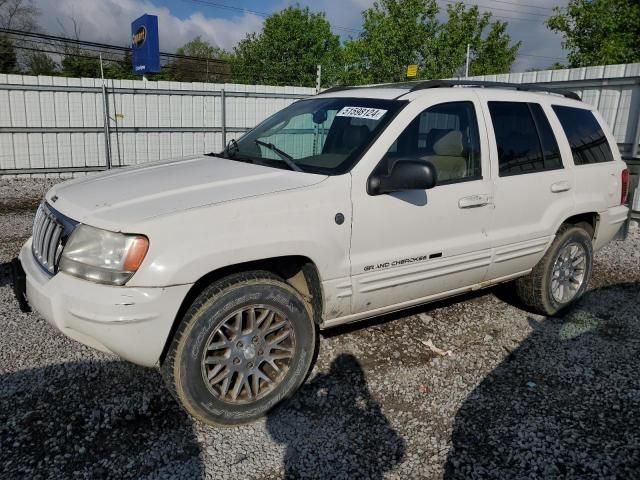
[229, 7]
[55, 52]
[540, 56]
[522, 4]
[88, 44]
[505, 17]
[338, 27]
[257, 13]
[190, 60]
[356, 30]
[500, 9]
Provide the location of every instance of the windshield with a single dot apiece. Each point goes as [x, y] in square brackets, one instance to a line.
[321, 135]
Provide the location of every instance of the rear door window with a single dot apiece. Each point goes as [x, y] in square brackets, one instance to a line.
[586, 137]
[524, 138]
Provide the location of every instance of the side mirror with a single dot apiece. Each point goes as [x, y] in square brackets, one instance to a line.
[319, 116]
[403, 175]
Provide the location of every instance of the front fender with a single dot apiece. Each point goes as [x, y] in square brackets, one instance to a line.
[185, 246]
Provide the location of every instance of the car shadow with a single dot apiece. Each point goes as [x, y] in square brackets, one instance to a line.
[334, 428]
[5, 274]
[93, 420]
[565, 403]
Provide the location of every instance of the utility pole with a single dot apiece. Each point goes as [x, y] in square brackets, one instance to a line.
[466, 68]
[318, 77]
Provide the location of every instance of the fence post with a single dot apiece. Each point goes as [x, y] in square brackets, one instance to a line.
[105, 119]
[318, 78]
[636, 139]
[223, 118]
[466, 64]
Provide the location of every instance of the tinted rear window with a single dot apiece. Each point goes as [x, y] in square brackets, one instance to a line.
[520, 148]
[586, 138]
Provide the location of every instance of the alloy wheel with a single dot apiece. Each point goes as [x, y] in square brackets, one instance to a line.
[249, 354]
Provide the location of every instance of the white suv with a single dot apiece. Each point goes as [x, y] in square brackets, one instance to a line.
[353, 203]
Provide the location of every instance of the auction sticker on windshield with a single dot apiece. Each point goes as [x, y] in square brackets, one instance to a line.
[362, 112]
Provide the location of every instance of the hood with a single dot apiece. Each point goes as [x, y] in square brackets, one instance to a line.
[129, 195]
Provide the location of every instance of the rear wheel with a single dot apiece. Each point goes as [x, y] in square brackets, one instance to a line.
[245, 344]
[562, 275]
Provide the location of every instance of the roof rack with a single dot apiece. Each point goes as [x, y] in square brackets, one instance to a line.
[527, 87]
[413, 86]
[336, 89]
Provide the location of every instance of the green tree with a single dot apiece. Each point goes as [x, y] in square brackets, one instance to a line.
[16, 15]
[167, 72]
[120, 68]
[555, 66]
[397, 33]
[78, 63]
[490, 45]
[201, 49]
[38, 63]
[211, 64]
[8, 58]
[599, 32]
[287, 50]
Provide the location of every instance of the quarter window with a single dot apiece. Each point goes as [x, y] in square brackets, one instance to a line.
[447, 136]
[586, 138]
[550, 150]
[524, 138]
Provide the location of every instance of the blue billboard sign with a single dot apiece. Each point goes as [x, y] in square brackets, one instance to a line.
[145, 45]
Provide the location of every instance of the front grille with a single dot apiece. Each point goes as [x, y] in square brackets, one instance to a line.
[47, 239]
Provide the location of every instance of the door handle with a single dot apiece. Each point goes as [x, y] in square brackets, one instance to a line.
[474, 201]
[558, 187]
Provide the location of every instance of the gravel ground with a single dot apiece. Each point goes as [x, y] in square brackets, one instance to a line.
[518, 396]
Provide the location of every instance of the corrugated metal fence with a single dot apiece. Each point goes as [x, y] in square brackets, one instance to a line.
[613, 89]
[56, 124]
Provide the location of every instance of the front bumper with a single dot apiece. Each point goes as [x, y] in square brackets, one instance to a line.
[133, 323]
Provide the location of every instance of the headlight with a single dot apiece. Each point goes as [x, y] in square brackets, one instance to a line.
[102, 256]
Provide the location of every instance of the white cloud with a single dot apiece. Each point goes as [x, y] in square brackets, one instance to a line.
[345, 13]
[540, 46]
[109, 21]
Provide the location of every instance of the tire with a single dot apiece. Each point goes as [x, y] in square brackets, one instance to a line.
[219, 334]
[539, 290]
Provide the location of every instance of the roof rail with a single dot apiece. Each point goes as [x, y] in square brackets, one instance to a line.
[528, 87]
[336, 89]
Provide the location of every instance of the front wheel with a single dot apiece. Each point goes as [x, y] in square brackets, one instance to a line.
[562, 276]
[245, 344]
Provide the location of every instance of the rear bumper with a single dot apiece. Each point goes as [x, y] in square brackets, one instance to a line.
[133, 323]
[614, 224]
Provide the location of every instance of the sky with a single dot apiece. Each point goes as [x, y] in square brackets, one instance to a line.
[225, 22]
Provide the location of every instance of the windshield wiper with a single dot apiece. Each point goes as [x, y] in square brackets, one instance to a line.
[286, 158]
[231, 149]
[230, 152]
